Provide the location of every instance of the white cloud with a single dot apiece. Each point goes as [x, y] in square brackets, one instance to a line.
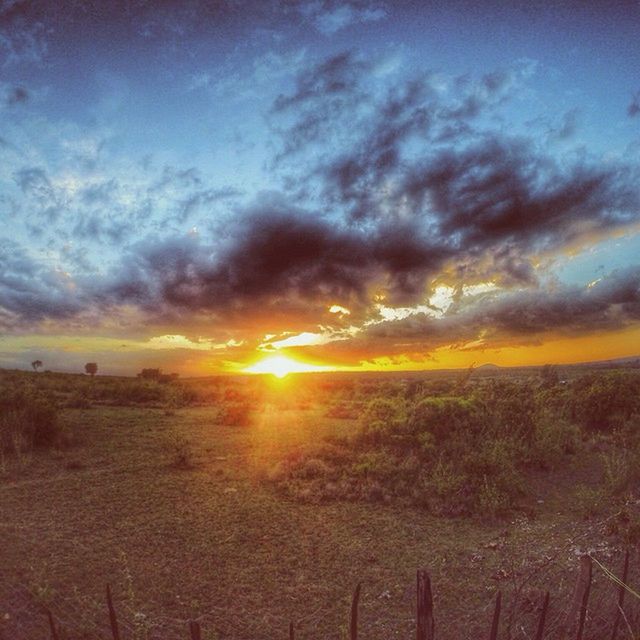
[308, 338]
[336, 308]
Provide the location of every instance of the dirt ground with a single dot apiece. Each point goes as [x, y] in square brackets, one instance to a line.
[214, 543]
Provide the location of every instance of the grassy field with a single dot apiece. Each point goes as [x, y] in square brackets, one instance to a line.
[171, 507]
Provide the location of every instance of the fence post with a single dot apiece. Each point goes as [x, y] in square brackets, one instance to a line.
[354, 613]
[52, 625]
[586, 571]
[113, 619]
[621, 592]
[493, 635]
[424, 617]
[543, 617]
[194, 630]
[577, 606]
[291, 634]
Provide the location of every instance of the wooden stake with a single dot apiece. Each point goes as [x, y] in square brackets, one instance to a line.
[496, 617]
[194, 629]
[354, 613]
[113, 619]
[575, 606]
[52, 625]
[424, 618]
[585, 572]
[543, 617]
[621, 592]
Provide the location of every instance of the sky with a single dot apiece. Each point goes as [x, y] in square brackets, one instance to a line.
[356, 184]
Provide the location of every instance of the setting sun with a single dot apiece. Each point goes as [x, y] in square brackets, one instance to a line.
[280, 366]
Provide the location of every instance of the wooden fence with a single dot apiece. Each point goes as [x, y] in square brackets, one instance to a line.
[573, 624]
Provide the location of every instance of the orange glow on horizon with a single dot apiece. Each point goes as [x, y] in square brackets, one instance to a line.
[554, 350]
[281, 366]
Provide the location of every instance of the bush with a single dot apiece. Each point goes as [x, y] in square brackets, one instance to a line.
[621, 470]
[605, 402]
[181, 454]
[454, 455]
[234, 414]
[28, 420]
[382, 420]
[446, 418]
[78, 400]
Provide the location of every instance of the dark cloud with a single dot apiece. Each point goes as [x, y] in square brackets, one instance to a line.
[634, 106]
[426, 157]
[408, 182]
[100, 227]
[41, 194]
[321, 96]
[490, 319]
[16, 95]
[338, 75]
[568, 125]
[278, 257]
[34, 181]
[30, 292]
[502, 190]
[203, 200]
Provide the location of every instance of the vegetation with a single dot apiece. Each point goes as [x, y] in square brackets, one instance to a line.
[91, 368]
[28, 420]
[453, 455]
[315, 483]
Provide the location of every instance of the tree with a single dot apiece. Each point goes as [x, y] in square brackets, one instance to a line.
[91, 368]
[36, 364]
[157, 375]
[150, 374]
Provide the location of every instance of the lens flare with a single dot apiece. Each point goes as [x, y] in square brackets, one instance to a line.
[280, 366]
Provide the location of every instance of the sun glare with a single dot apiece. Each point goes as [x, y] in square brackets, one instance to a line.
[280, 366]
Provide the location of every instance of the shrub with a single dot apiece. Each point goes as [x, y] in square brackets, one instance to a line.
[381, 420]
[78, 400]
[554, 438]
[454, 455]
[181, 454]
[342, 411]
[445, 418]
[28, 420]
[605, 402]
[590, 501]
[234, 414]
[443, 489]
[621, 470]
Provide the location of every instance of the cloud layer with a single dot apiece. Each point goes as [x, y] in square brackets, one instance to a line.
[371, 185]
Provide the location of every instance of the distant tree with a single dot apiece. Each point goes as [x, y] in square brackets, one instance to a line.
[91, 368]
[150, 374]
[36, 364]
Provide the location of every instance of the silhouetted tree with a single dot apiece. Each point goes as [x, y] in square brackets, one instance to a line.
[36, 364]
[157, 375]
[91, 368]
[150, 374]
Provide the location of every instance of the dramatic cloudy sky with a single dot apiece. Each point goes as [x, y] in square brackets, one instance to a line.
[355, 183]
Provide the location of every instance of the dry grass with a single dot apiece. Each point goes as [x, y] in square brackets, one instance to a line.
[213, 541]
